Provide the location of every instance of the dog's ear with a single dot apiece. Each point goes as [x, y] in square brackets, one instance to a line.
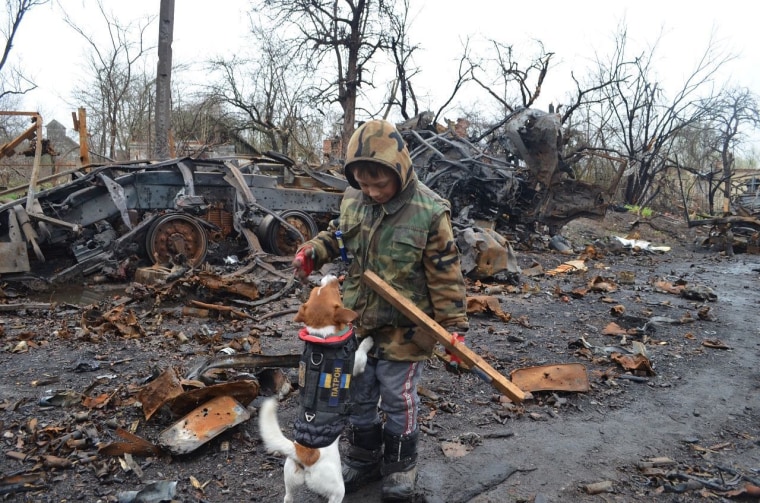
[300, 315]
[345, 315]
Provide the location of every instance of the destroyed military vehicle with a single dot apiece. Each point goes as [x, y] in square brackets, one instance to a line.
[517, 177]
[165, 213]
[183, 212]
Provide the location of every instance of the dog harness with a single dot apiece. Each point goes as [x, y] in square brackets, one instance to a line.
[324, 378]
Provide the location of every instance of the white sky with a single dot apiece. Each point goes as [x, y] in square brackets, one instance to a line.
[54, 55]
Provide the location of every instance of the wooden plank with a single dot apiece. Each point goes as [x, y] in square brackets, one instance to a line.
[84, 139]
[477, 364]
[9, 148]
[35, 169]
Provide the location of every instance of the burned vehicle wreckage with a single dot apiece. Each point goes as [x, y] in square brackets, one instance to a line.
[111, 218]
[519, 178]
[165, 213]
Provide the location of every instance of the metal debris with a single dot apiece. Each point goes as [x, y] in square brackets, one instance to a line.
[517, 178]
[155, 492]
[176, 214]
[554, 377]
[203, 424]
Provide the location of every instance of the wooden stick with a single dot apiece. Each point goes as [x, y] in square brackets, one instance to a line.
[5, 308]
[478, 365]
[222, 308]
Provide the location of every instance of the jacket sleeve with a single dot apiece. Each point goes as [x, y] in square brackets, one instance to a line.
[325, 245]
[443, 271]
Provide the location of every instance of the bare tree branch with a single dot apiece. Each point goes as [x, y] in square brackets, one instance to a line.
[112, 66]
[12, 80]
[343, 37]
[636, 117]
[511, 78]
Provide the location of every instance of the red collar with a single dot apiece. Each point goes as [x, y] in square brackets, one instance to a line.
[304, 335]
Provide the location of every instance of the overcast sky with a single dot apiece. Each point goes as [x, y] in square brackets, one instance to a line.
[54, 55]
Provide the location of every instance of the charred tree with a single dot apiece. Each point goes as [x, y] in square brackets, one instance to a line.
[164, 79]
[340, 35]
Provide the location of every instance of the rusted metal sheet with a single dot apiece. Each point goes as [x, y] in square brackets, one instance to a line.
[243, 391]
[130, 443]
[203, 424]
[485, 253]
[161, 390]
[555, 377]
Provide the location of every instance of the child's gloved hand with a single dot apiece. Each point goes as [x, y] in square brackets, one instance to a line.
[303, 262]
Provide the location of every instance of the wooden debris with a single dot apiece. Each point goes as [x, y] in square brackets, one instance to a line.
[604, 486]
[220, 308]
[568, 267]
[715, 344]
[487, 304]
[131, 444]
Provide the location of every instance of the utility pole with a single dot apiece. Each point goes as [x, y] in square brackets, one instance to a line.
[164, 79]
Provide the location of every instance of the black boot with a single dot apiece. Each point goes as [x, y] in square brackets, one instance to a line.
[363, 457]
[399, 466]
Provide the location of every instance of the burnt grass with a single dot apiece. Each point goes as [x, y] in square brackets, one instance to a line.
[686, 431]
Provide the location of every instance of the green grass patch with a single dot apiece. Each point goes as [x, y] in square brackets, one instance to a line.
[644, 212]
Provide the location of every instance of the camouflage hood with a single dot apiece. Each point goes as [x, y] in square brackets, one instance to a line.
[378, 141]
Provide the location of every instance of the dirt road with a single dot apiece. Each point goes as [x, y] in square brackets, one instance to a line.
[686, 432]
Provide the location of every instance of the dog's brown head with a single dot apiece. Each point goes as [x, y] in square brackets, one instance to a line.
[324, 314]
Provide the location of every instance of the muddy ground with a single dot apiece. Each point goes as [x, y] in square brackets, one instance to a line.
[686, 430]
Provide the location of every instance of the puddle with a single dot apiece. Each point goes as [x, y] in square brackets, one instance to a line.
[724, 280]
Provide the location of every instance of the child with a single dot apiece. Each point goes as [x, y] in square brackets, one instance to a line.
[395, 226]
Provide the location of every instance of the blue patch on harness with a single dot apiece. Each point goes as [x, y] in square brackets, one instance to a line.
[336, 382]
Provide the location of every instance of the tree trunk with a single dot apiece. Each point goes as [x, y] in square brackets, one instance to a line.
[164, 79]
[112, 137]
[352, 76]
[728, 164]
[349, 118]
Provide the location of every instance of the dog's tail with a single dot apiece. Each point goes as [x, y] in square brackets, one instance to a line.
[270, 431]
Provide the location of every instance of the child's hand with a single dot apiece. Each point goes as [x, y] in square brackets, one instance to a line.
[303, 262]
[454, 360]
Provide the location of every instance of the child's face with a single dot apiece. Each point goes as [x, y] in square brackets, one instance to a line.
[380, 188]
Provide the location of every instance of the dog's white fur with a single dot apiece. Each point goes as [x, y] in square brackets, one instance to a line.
[320, 469]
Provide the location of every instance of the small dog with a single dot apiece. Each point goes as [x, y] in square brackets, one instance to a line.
[319, 468]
